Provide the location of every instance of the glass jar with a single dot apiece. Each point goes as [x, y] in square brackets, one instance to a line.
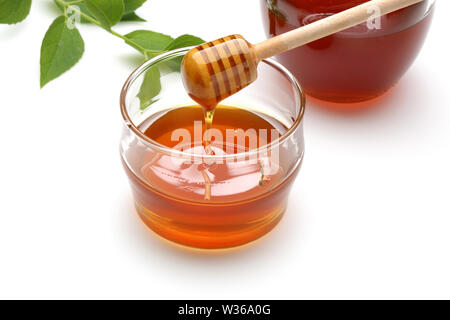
[356, 64]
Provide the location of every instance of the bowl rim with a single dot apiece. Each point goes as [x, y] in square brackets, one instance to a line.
[300, 98]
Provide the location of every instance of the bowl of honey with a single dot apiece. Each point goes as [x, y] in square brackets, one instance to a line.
[356, 64]
[211, 181]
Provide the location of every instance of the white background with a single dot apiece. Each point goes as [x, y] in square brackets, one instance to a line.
[369, 215]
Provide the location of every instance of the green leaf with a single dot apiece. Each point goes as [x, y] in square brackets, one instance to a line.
[186, 40]
[132, 16]
[129, 7]
[149, 40]
[150, 88]
[14, 11]
[107, 12]
[61, 49]
[132, 5]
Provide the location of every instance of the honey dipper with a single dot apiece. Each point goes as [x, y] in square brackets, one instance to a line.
[216, 70]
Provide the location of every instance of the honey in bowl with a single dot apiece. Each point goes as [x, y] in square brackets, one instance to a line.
[199, 187]
[246, 199]
[354, 65]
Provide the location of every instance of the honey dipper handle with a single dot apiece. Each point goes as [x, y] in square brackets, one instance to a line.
[325, 27]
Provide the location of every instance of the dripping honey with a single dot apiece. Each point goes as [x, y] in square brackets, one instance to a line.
[242, 204]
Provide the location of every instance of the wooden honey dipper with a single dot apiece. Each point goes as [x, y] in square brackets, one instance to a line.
[216, 70]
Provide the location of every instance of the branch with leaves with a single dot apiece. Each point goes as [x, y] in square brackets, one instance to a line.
[63, 45]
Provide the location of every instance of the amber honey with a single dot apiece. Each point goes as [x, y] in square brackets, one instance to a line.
[357, 64]
[211, 204]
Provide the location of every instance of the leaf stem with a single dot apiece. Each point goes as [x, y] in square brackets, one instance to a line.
[130, 42]
[73, 2]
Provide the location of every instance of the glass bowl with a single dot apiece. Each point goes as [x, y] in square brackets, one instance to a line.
[248, 189]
